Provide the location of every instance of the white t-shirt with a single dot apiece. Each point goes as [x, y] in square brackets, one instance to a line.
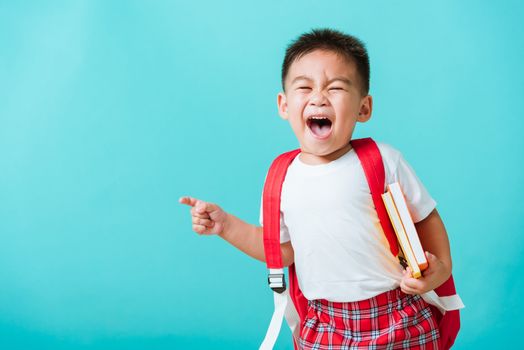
[341, 252]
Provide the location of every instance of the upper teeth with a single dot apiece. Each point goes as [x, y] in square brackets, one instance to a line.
[318, 117]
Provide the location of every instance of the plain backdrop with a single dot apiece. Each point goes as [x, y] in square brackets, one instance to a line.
[112, 110]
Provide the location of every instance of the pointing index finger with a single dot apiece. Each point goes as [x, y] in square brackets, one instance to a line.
[188, 201]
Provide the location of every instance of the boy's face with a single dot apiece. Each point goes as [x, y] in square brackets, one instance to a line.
[323, 102]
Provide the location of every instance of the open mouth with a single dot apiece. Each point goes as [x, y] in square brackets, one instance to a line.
[320, 126]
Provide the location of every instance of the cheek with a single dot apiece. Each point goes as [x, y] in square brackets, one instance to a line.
[296, 124]
[296, 112]
[346, 105]
[297, 105]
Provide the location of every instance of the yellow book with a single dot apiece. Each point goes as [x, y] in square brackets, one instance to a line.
[404, 227]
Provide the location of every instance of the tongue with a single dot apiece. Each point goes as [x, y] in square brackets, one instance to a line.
[320, 130]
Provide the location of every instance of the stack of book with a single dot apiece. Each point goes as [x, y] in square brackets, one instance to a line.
[411, 248]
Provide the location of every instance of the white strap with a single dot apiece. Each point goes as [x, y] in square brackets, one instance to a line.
[284, 307]
[292, 317]
[449, 303]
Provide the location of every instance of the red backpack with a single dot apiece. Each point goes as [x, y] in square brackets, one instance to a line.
[295, 311]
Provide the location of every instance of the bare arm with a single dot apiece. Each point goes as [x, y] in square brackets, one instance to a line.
[434, 238]
[435, 241]
[250, 239]
[210, 219]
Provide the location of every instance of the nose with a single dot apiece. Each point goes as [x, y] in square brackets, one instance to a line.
[318, 99]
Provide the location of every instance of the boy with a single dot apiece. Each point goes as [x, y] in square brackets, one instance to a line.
[328, 221]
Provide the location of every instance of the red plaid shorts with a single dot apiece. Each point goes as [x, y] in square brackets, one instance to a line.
[391, 320]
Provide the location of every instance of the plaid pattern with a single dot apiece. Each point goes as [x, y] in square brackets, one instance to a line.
[391, 320]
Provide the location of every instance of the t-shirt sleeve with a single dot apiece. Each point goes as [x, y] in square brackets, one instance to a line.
[419, 201]
[284, 232]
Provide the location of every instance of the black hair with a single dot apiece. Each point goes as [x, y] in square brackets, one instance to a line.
[346, 45]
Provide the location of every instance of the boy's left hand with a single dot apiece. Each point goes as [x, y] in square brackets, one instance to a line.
[436, 274]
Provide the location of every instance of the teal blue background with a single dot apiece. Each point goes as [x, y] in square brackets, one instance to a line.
[112, 110]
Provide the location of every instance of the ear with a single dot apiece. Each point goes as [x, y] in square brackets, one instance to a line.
[366, 106]
[282, 105]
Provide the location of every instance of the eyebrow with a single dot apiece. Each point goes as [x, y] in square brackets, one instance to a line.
[305, 77]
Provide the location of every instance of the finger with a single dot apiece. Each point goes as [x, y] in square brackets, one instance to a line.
[200, 229]
[203, 222]
[206, 207]
[413, 283]
[407, 272]
[188, 201]
[410, 281]
[405, 288]
[199, 215]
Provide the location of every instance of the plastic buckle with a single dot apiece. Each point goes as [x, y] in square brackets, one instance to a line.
[277, 282]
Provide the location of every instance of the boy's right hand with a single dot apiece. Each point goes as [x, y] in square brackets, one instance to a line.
[207, 218]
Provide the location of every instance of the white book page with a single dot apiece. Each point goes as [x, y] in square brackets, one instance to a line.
[407, 222]
[399, 230]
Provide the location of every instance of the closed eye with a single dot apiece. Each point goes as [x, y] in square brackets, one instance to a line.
[336, 88]
[303, 88]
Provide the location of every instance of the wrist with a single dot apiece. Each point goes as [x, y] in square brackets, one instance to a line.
[225, 226]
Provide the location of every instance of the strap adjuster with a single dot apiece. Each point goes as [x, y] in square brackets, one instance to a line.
[277, 282]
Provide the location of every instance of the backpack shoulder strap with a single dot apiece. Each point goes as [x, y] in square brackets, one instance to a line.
[284, 302]
[271, 208]
[371, 160]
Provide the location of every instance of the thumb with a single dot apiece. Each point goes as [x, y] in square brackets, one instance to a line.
[430, 257]
[202, 207]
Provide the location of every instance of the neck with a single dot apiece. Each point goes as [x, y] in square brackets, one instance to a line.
[313, 159]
